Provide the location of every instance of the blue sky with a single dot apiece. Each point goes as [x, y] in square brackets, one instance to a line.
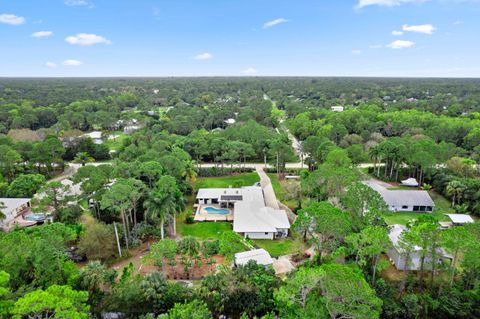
[240, 37]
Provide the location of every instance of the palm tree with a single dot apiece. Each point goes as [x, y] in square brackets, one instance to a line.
[154, 209]
[83, 158]
[164, 201]
[455, 189]
[375, 154]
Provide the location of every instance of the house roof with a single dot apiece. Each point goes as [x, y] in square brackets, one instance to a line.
[395, 231]
[460, 218]
[218, 192]
[402, 197]
[261, 256]
[410, 182]
[250, 214]
[12, 204]
[94, 134]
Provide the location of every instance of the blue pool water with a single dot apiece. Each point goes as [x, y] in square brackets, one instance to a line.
[218, 211]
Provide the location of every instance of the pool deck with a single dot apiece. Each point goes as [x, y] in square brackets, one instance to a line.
[202, 216]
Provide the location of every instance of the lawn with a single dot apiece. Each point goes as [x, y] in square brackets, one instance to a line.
[279, 247]
[246, 179]
[442, 207]
[202, 230]
[116, 144]
[278, 188]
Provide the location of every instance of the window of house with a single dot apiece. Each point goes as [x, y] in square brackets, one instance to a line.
[404, 207]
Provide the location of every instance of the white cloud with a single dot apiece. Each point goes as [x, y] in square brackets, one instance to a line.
[400, 44]
[72, 63]
[250, 71]
[458, 22]
[203, 56]
[11, 19]
[385, 3]
[79, 3]
[42, 34]
[86, 39]
[356, 51]
[422, 28]
[375, 46]
[51, 65]
[395, 32]
[272, 23]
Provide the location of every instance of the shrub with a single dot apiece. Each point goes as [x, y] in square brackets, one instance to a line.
[211, 247]
[189, 219]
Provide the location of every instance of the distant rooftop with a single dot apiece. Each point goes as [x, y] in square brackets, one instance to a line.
[260, 256]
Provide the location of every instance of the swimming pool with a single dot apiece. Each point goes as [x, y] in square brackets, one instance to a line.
[35, 217]
[217, 211]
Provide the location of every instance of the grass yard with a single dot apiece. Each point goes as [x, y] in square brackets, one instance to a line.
[278, 188]
[203, 230]
[442, 207]
[246, 179]
[116, 144]
[280, 247]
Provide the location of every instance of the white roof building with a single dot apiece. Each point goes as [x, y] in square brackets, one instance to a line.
[260, 256]
[404, 200]
[13, 208]
[410, 182]
[337, 108]
[398, 256]
[250, 214]
[96, 136]
[460, 219]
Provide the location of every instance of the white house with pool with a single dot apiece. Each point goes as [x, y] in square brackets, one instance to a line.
[246, 208]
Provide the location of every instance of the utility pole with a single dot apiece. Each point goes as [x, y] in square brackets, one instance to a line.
[118, 240]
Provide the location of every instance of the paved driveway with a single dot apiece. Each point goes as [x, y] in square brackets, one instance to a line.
[268, 193]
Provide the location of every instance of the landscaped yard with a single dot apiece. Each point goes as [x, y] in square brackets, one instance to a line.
[279, 247]
[246, 179]
[442, 207]
[202, 230]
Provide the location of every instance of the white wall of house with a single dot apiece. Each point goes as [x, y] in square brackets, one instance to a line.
[259, 235]
[404, 208]
[401, 208]
[414, 262]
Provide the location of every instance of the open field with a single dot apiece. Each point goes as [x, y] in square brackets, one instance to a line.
[246, 179]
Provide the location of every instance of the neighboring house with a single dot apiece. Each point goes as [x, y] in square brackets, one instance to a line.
[246, 207]
[129, 129]
[14, 208]
[74, 190]
[398, 256]
[460, 219]
[410, 182]
[404, 200]
[96, 136]
[337, 108]
[260, 256]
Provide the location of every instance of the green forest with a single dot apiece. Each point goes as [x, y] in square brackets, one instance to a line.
[107, 170]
